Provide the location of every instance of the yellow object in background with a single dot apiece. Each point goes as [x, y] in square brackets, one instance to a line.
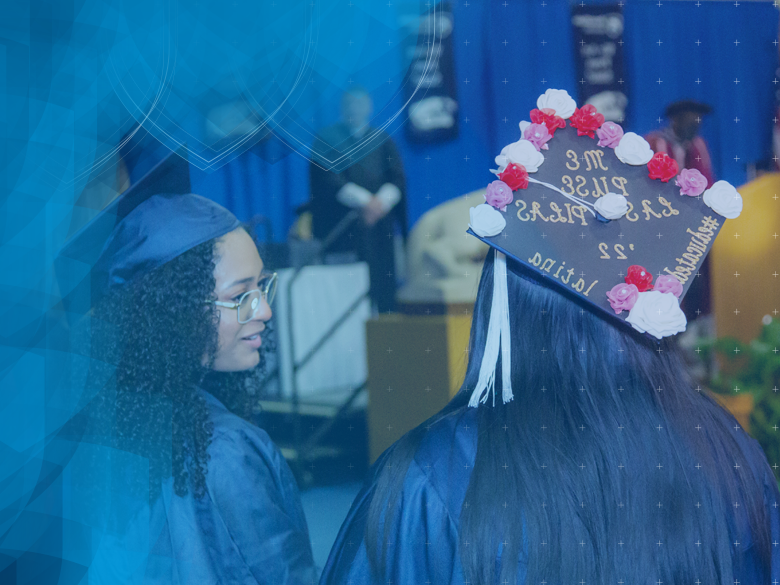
[302, 227]
[745, 262]
[416, 363]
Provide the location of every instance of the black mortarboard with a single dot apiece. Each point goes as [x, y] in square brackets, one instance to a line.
[152, 222]
[686, 106]
[554, 224]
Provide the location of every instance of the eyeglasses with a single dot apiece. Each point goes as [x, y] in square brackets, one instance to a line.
[249, 303]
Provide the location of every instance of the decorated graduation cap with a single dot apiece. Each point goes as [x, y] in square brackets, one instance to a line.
[151, 223]
[595, 212]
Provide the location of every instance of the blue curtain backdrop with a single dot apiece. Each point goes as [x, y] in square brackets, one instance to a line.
[60, 114]
[506, 54]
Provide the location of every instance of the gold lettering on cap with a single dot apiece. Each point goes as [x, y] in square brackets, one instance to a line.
[573, 156]
[578, 211]
[568, 211]
[595, 156]
[677, 273]
[560, 219]
[567, 182]
[669, 211]
[519, 211]
[647, 210]
[695, 250]
[598, 192]
[580, 184]
[620, 183]
[536, 211]
[699, 237]
[628, 213]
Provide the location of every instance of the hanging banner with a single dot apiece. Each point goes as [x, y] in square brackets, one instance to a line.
[598, 42]
[430, 78]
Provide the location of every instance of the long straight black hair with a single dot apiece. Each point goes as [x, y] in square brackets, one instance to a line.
[619, 467]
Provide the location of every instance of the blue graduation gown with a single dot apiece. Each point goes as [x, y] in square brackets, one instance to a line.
[424, 536]
[248, 529]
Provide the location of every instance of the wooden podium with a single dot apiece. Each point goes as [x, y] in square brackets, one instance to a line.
[416, 363]
[745, 265]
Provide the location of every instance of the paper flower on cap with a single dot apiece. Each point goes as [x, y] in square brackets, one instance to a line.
[633, 150]
[558, 100]
[521, 152]
[662, 166]
[724, 199]
[486, 221]
[538, 135]
[609, 134]
[691, 182]
[612, 205]
[622, 297]
[499, 195]
[667, 283]
[523, 125]
[639, 276]
[515, 176]
[586, 120]
[658, 314]
[549, 118]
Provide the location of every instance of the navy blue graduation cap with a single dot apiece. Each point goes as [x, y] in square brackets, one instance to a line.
[597, 214]
[152, 222]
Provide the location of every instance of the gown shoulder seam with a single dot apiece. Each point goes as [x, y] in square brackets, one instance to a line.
[438, 495]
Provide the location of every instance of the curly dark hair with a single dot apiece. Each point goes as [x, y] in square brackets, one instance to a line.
[160, 330]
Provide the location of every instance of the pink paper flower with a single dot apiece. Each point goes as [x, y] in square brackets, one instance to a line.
[499, 195]
[609, 134]
[669, 284]
[623, 297]
[538, 135]
[691, 182]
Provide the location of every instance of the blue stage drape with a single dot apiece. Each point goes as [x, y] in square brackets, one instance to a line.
[509, 52]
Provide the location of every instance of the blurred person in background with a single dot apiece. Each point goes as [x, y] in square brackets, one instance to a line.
[375, 185]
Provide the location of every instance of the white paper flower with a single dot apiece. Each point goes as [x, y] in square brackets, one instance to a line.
[486, 220]
[523, 125]
[658, 314]
[612, 205]
[724, 199]
[521, 152]
[559, 100]
[633, 150]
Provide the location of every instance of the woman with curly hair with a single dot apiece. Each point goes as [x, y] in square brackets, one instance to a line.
[182, 311]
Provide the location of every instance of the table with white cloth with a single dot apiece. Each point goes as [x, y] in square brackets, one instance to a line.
[321, 295]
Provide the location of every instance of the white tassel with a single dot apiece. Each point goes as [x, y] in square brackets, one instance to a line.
[506, 338]
[498, 335]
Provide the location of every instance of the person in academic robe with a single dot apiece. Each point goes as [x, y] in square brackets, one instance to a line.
[577, 449]
[374, 184]
[681, 141]
[181, 303]
[590, 473]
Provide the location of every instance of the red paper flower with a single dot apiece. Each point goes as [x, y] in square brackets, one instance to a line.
[515, 176]
[640, 277]
[547, 117]
[586, 120]
[662, 166]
